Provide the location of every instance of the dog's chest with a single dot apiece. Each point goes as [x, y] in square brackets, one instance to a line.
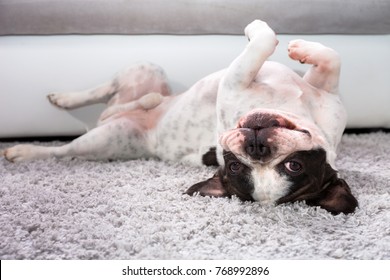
[273, 89]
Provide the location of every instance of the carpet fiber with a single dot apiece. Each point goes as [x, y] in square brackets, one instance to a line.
[74, 209]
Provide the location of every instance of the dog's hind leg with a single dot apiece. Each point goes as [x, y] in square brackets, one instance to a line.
[129, 84]
[146, 102]
[76, 99]
[119, 139]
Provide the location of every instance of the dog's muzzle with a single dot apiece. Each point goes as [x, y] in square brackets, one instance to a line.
[258, 136]
[256, 145]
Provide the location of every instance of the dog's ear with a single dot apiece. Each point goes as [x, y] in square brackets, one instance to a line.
[210, 187]
[336, 198]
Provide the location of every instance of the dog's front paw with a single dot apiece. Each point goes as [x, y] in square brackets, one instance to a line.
[258, 27]
[260, 30]
[20, 153]
[312, 53]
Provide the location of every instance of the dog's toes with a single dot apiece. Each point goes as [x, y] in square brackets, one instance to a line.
[297, 51]
[9, 155]
[59, 100]
[312, 53]
[19, 153]
[53, 100]
[257, 27]
[12, 154]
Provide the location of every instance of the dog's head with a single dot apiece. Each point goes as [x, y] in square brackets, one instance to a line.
[276, 158]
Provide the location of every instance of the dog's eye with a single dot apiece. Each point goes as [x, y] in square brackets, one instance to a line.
[235, 167]
[293, 167]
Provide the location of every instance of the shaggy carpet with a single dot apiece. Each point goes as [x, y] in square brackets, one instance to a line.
[74, 209]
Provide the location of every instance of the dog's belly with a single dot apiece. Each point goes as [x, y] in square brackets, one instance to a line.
[188, 128]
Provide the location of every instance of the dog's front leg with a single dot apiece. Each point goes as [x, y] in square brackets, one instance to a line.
[325, 71]
[243, 70]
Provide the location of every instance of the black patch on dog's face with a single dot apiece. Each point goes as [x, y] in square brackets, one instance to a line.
[233, 179]
[312, 179]
[236, 177]
[315, 182]
[305, 170]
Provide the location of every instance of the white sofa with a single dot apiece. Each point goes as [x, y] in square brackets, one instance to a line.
[52, 46]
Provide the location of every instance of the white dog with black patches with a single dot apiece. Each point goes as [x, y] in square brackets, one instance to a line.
[273, 133]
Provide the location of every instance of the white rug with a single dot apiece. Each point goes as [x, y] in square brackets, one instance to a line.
[74, 209]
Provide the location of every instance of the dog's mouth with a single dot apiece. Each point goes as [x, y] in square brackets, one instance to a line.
[261, 120]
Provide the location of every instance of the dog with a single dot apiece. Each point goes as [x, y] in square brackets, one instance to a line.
[273, 133]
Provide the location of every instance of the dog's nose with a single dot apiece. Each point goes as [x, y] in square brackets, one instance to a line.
[256, 148]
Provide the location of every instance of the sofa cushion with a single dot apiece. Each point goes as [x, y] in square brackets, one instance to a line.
[192, 17]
